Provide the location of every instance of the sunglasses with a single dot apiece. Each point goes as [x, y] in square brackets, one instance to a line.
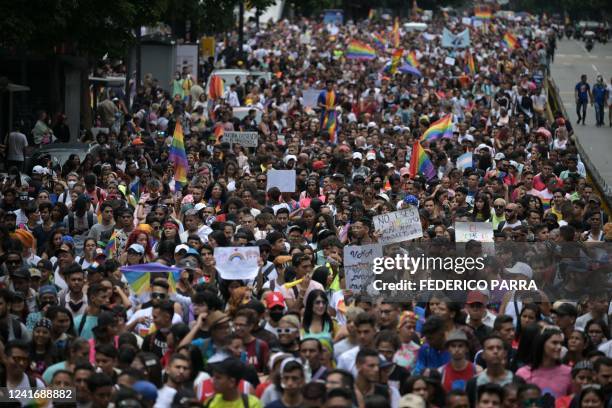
[288, 330]
[498, 206]
[157, 295]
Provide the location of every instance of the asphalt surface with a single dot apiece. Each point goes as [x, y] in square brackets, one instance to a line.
[571, 61]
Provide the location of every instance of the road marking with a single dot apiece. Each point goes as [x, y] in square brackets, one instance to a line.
[595, 68]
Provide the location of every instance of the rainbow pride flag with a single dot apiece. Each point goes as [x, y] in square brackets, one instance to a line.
[360, 51]
[442, 128]
[395, 34]
[328, 124]
[483, 13]
[510, 41]
[218, 133]
[139, 276]
[178, 156]
[396, 59]
[420, 163]
[411, 59]
[470, 64]
[110, 250]
[215, 89]
[379, 41]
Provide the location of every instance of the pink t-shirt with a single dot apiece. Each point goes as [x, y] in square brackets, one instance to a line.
[556, 381]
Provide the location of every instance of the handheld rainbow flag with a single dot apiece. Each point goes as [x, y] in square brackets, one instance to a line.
[178, 156]
[215, 89]
[411, 59]
[218, 133]
[395, 34]
[360, 51]
[396, 59]
[510, 41]
[328, 124]
[139, 276]
[442, 128]
[470, 64]
[110, 250]
[420, 163]
[483, 12]
[379, 41]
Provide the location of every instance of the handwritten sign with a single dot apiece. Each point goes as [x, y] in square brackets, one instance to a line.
[240, 263]
[399, 226]
[477, 231]
[246, 139]
[358, 262]
[283, 179]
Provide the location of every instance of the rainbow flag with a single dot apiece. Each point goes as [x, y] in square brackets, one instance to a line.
[215, 88]
[218, 133]
[110, 250]
[442, 128]
[395, 34]
[470, 64]
[396, 59]
[483, 13]
[360, 51]
[379, 41]
[178, 156]
[510, 41]
[139, 276]
[411, 59]
[420, 163]
[329, 124]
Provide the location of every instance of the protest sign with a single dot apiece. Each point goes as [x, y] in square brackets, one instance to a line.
[466, 21]
[449, 61]
[246, 139]
[237, 262]
[283, 179]
[358, 261]
[310, 97]
[478, 231]
[450, 40]
[399, 226]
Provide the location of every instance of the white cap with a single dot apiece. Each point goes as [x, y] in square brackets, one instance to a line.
[521, 268]
[469, 138]
[372, 125]
[371, 156]
[500, 156]
[181, 247]
[138, 248]
[357, 155]
[40, 170]
[199, 206]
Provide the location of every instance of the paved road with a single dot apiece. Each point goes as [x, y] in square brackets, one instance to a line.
[572, 60]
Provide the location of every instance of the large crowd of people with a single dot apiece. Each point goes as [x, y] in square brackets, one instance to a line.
[295, 336]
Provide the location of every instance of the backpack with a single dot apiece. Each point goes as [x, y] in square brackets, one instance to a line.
[90, 221]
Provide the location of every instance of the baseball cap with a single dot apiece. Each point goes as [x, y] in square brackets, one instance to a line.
[357, 156]
[476, 296]
[23, 272]
[521, 268]
[181, 247]
[295, 227]
[40, 170]
[500, 156]
[273, 299]
[47, 290]
[146, 389]
[137, 248]
[411, 401]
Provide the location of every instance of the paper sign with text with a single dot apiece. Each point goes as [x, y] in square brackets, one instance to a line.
[399, 226]
[237, 262]
[358, 261]
[283, 179]
[246, 139]
[478, 231]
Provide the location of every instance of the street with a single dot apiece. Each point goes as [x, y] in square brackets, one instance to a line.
[571, 61]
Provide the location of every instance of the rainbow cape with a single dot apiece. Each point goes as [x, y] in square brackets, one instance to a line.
[360, 51]
[510, 41]
[328, 124]
[442, 128]
[178, 156]
[139, 276]
[420, 163]
[470, 64]
[411, 59]
[215, 89]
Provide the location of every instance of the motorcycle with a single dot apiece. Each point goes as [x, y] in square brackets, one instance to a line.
[589, 40]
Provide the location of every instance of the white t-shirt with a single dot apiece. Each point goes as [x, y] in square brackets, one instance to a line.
[165, 397]
[25, 385]
[148, 313]
[17, 142]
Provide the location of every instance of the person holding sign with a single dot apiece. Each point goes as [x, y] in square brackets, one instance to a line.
[296, 292]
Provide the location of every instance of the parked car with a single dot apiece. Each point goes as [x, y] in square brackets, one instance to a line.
[59, 153]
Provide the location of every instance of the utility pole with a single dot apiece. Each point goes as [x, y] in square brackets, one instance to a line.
[240, 28]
